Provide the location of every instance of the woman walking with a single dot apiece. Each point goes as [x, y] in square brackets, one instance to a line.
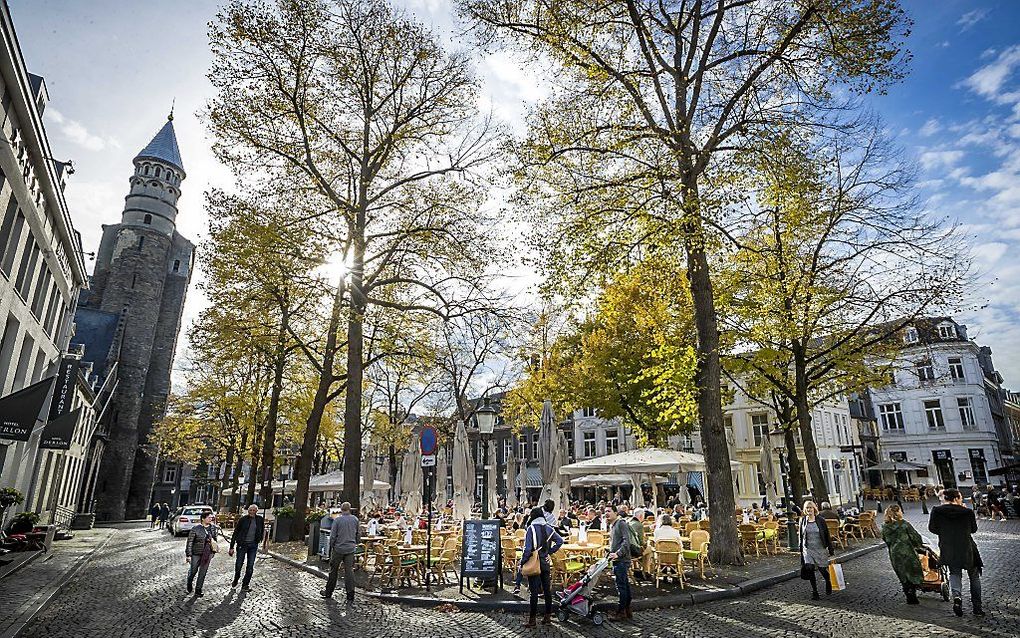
[815, 548]
[199, 550]
[541, 538]
[904, 543]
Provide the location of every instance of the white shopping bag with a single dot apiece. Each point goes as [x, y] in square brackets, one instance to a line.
[407, 537]
[836, 577]
[582, 535]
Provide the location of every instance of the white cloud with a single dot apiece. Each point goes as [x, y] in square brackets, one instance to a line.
[940, 159]
[76, 132]
[988, 81]
[971, 18]
[931, 127]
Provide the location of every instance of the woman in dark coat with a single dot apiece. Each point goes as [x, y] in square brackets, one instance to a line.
[815, 548]
[955, 525]
[904, 543]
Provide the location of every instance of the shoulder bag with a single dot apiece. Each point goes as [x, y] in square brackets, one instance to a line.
[213, 545]
[533, 566]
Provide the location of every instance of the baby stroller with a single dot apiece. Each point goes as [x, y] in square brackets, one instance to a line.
[577, 599]
[935, 575]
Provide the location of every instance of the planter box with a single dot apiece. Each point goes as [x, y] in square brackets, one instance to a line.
[281, 529]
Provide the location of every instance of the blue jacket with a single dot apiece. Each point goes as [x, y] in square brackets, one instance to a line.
[542, 535]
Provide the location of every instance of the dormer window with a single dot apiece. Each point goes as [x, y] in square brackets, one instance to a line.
[910, 336]
[947, 331]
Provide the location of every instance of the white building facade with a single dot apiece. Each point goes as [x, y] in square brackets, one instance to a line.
[41, 264]
[935, 410]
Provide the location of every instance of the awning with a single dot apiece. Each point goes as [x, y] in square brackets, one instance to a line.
[642, 461]
[592, 480]
[318, 483]
[20, 410]
[1005, 469]
[896, 466]
[58, 433]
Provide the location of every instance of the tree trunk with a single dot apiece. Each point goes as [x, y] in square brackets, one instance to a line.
[725, 547]
[234, 502]
[304, 462]
[279, 365]
[228, 467]
[798, 484]
[355, 358]
[249, 496]
[807, 435]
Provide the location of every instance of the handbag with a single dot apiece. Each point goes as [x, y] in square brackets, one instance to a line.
[532, 566]
[213, 545]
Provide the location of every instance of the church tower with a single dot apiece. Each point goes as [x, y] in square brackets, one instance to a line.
[143, 268]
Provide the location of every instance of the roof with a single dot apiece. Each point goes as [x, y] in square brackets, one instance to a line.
[163, 146]
[96, 330]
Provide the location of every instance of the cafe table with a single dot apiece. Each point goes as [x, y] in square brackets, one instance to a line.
[419, 552]
[589, 553]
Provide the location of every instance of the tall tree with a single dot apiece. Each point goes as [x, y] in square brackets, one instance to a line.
[650, 99]
[835, 258]
[379, 123]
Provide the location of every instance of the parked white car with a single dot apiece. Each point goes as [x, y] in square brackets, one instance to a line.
[187, 517]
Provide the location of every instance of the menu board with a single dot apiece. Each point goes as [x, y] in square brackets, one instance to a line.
[480, 552]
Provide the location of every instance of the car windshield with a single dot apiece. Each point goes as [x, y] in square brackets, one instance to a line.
[194, 511]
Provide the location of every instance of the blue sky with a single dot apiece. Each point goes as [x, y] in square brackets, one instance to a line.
[113, 68]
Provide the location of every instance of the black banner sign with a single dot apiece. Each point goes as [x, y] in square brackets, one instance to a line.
[480, 551]
[58, 433]
[63, 393]
[942, 455]
[20, 410]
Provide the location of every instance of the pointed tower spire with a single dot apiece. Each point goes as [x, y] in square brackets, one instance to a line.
[173, 102]
[163, 146]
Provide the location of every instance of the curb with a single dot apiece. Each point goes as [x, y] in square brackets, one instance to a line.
[43, 599]
[676, 600]
[35, 555]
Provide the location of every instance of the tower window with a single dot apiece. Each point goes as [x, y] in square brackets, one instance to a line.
[141, 242]
[134, 279]
[177, 265]
[146, 169]
[158, 171]
[147, 219]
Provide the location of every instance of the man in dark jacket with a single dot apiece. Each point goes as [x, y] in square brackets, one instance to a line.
[619, 552]
[246, 537]
[954, 524]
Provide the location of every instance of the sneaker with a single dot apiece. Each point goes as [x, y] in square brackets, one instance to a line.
[958, 606]
[234, 584]
[325, 594]
[190, 588]
[815, 596]
[198, 593]
[979, 612]
[245, 587]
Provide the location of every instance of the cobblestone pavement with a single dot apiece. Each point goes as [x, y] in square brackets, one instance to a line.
[135, 587]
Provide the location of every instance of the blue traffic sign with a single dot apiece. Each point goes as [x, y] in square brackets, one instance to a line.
[429, 440]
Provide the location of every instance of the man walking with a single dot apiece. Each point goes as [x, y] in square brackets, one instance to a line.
[246, 537]
[619, 551]
[954, 524]
[343, 541]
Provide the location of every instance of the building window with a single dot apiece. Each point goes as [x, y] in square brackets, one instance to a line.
[612, 441]
[589, 445]
[508, 447]
[956, 369]
[947, 331]
[687, 443]
[891, 415]
[146, 170]
[728, 426]
[141, 242]
[147, 219]
[170, 474]
[159, 172]
[925, 370]
[588, 412]
[933, 413]
[522, 447]
[966, 406]
[760, 428]
[977, 464]
[569, 436]
[177, 265]
[761, 479]
[910, 336]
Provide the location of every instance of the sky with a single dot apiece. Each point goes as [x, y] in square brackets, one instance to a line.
[113, 69]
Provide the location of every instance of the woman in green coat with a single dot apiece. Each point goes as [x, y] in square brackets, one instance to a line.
[904, 543]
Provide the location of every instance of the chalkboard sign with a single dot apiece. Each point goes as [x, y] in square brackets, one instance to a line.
[481, 555]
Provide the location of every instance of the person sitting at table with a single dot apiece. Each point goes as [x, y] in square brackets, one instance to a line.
[666, 531]
[592, 520]
[563, 524]
[827, 512]
[518, 522]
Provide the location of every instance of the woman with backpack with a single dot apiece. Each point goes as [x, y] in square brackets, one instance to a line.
[540, 540]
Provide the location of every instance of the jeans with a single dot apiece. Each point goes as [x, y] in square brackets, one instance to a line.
[197, 568]
[956, 584]
[245, 553]
[544, 581]
[335, 559]
[622, 584]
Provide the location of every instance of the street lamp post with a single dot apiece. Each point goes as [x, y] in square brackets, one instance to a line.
[485, 416]
[778, 438]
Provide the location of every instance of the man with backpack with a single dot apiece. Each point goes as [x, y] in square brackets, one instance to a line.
[620, 552]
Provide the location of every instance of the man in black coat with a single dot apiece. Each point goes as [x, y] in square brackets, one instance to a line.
[954, 524]
[247, 536]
